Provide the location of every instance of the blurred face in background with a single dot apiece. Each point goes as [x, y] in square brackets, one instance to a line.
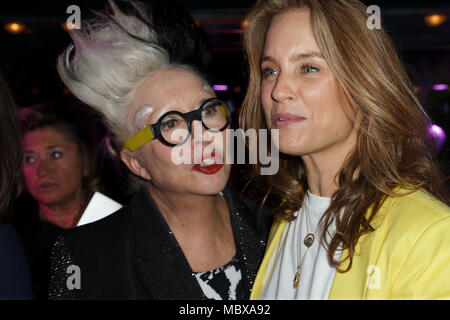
[53, 167]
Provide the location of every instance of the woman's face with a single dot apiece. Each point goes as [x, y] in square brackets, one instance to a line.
[299, 93]
[183, 91]
[52, 167]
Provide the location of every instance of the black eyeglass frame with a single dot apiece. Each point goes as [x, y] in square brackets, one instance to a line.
[189, 117]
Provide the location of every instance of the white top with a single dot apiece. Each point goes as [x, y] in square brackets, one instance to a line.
[316, 274]
[98, 208]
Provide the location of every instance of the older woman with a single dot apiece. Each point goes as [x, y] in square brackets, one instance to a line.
[362, 194]
[59, 182]
[57, 166]
[183, 235]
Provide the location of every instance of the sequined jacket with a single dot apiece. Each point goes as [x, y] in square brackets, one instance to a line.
[132, 254]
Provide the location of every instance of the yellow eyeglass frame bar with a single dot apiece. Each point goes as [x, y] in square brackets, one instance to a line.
[138, 139]
[145, 135]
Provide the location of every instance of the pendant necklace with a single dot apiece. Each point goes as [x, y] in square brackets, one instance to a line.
[308, 241]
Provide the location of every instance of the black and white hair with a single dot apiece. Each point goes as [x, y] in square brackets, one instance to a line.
[112, 55]
[109, 59]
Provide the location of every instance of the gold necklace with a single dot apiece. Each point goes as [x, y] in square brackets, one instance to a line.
[308, 241]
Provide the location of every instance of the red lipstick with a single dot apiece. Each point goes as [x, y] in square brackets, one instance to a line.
[208, 169]
[211, 169]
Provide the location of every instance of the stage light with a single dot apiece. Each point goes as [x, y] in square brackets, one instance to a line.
[68, 26]
[435, 20]
[440, 87]
[237, 89]
[439, 136]
[15, 27]
[220, 87]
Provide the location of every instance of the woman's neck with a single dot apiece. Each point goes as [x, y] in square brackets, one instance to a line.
[189, 211]
[65, 213]
[322, 177]
[201, 225]
[323, 168]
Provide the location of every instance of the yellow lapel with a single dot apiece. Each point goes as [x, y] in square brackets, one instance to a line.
[274, 236]
[354, 284]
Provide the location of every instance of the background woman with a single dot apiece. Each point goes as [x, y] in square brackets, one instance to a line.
[59, 178]
[180, 237]
[362, 194]
[57, 162]
[15, 281]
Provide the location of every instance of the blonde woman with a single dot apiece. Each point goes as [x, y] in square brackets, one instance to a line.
[364, 213]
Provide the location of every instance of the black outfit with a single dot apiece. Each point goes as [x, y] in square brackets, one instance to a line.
[38, 238]
[132, 254]
[15, 280]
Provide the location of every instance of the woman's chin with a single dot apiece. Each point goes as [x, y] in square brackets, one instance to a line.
[291, 150]
[48, 199]
[211, 184]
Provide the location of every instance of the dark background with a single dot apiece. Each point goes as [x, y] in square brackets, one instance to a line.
[28, 59]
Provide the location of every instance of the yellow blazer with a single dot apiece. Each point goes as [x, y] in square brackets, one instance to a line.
[406, 257]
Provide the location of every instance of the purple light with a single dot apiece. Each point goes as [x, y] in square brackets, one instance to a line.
[440, 87]
[438, 135]
[220, 87]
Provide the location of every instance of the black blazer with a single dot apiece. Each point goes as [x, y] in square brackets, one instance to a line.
[132, 254]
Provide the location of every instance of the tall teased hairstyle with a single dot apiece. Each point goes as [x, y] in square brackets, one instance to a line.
[74, 123]
[10, 150]
[394, 147]
[177, 32]
[109, 59]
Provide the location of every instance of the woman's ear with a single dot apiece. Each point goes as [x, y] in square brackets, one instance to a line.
[133, 163]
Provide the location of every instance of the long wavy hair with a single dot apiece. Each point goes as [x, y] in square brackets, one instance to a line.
[10, 150]
[394, 147]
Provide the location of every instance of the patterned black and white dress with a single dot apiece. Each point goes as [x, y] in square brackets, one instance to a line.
[224, 283]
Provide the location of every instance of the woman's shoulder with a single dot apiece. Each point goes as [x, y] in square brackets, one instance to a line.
[8, 238]
[116, 229]
[253, 214]
[418, 206]
[417, 241]
[412, 214]
[114, 225]
[14, 273]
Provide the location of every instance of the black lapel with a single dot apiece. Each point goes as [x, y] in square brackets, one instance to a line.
[249, 236]
[159, 260]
